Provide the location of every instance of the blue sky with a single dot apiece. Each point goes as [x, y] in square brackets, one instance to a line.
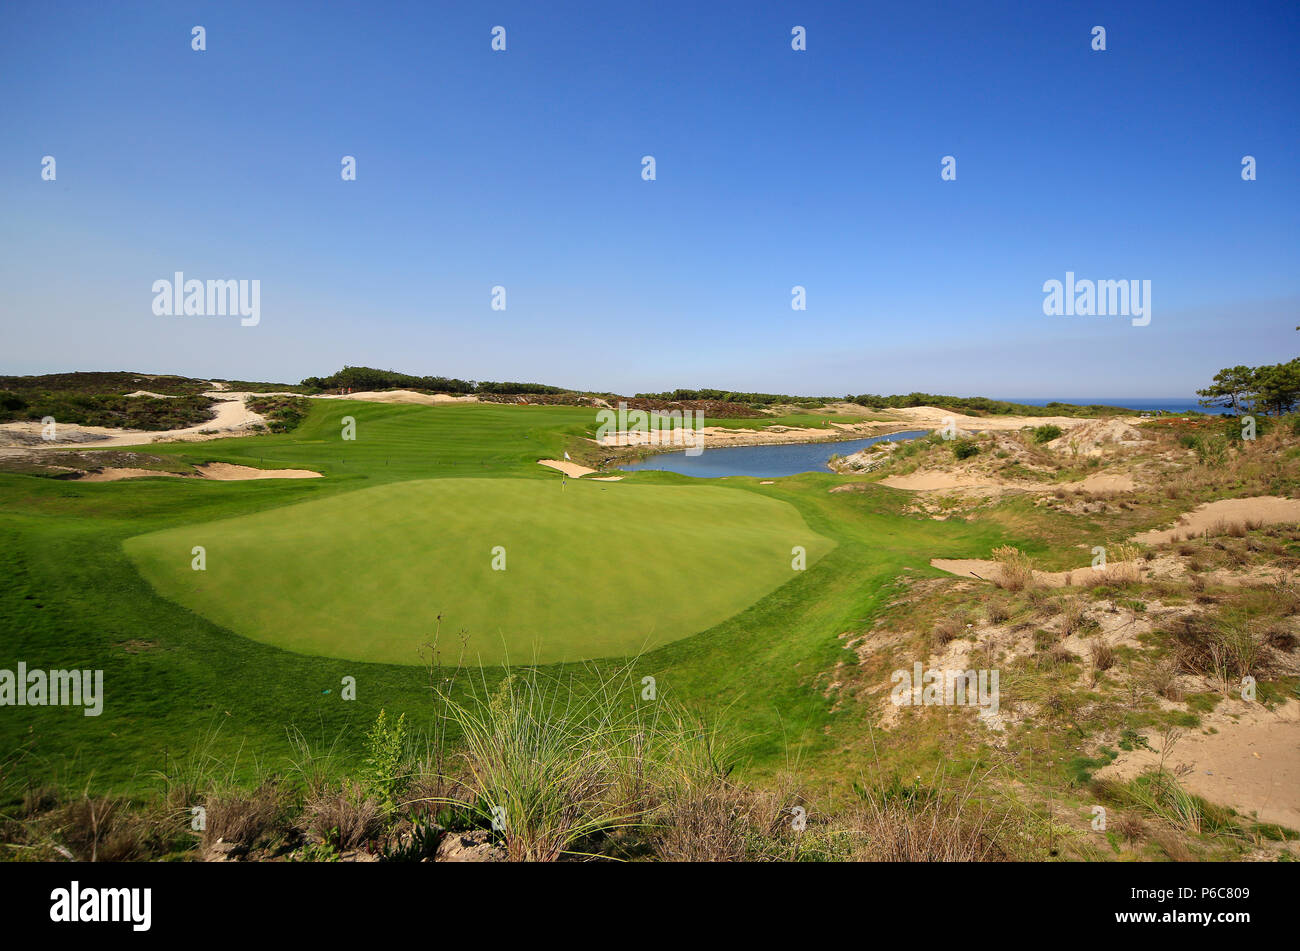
[775, 168]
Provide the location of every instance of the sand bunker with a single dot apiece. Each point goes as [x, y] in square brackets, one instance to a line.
[985, 569]
[217, 471]
[1262, 509]
[568, 468]
[226, 472]
[113, 475]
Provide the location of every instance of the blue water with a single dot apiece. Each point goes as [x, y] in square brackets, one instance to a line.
[762, 462]
[1176, 405]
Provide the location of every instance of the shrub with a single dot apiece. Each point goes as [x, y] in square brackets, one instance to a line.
[1046, 433]
[964, 448]
[387, 770]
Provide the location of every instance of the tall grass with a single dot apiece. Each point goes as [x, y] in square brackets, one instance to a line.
[553, 761]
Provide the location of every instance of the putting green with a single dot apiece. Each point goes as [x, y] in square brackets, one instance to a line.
[592, 570]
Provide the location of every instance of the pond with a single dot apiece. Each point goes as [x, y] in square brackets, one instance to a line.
[763, 462]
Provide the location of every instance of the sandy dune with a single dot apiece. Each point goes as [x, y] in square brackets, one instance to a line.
[232, 417]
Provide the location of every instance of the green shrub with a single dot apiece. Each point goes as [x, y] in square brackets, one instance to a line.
[1046, 433]
[964, 449]
[386, 768]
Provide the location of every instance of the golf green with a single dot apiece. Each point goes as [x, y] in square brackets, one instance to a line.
[529, 570]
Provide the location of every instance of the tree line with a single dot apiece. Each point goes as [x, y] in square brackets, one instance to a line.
[1272, 390]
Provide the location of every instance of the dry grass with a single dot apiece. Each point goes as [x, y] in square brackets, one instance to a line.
[1015, 570]
[343, 814]
[243, 818]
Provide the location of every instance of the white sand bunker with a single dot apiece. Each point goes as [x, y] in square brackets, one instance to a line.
[575, 471]
[217, 471]
[568, 468]
[225, 472]
[1213, 516]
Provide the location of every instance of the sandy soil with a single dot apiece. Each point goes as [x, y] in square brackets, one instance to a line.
[929, 480]
[1265, 509]
[1251, 764]
[1102, 482]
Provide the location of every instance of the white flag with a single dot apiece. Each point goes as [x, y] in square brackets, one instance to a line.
[566, 455]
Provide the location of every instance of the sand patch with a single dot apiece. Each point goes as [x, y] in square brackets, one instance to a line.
[1251, 764]
[216, 471]
[226, 472]
[568, 468]
[985, 569]
[932, 480]
[151, 395]
[606, 479]
[115, 474]
[1263, 509]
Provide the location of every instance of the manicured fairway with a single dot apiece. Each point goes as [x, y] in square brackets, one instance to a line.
[591, 570]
